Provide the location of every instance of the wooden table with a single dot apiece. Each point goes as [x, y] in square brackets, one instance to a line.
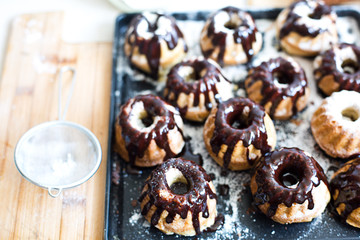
[28, 96]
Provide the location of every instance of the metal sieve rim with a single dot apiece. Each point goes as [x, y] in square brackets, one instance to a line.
[92, 138]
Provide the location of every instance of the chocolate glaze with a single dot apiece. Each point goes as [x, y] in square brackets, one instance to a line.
[266, 72]
[273, 191]
[136, 142]
[130, 169]
[292, 20]
[347, 81]
[219, 222]
[205, 83]
[244, 34]
[151, 47]
[348, 185]
[252, 128]
[195, 200]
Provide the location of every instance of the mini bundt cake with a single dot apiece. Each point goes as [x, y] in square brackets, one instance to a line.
[148, 131]
[280, 85]
[195, 86]
[238, 132]
[154, 43]
[345, 191]
[338, 69]
[188, 212]
[335, 124]
[230, 37]
[307, 28]
[289, 186]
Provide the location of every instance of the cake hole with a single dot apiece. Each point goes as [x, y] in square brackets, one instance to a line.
[315, 15]
[177, 182]
[350, 114]
[147, 121]
[289, 180]
[350, 66]
[231, 25]
[179, 188]
[281, 79]
[189, 74]
[240, 120]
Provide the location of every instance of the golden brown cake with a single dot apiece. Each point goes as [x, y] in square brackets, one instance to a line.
[154, 43]
[280, 85]
[230, 37]
[238, 132]
[188, 212]
[307, 28]
[345, 191]
[335, 124]
[195, 86]
[289, 186]
[148, 131]
[338, 69]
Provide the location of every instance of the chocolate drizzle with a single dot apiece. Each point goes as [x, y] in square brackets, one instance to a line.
[219, 222]
[207, 75]
[266, 72]
[195, 200]
[292, 23]
[137, 141]
[348, 185]
[244, 33]
[249, 117]
[151, 47]
[346, 80]
[272, 190]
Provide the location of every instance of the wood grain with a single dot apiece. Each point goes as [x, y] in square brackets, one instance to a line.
[28, 96]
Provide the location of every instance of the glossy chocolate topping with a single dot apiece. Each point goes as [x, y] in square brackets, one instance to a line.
[195, 200]
[293, 23]
[243, 33]
[239, 119]
[281, 71]
[137, 141]
[207, 75]
[150, 47]
[348, 185]
[348, 80]
[282, 168]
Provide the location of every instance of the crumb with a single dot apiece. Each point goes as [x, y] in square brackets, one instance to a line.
[212, 176]
[297, 122]
[115, 174]
[134, 203]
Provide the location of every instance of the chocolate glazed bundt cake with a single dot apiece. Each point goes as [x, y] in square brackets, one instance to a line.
[148, 131]
[154, 43]
[195, 87]
[345, 190]
[230, 37]
[289, 186]
[185, 213]
[238, 132]
[307, 28]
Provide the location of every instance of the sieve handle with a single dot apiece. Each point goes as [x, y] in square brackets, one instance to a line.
[62, 113]
[54, 192]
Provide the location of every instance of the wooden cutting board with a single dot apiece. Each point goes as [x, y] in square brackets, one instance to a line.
[28, 96]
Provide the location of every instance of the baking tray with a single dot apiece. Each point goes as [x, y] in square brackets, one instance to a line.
[242, 221]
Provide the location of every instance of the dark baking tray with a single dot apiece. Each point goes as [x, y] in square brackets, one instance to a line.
[120, 197]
